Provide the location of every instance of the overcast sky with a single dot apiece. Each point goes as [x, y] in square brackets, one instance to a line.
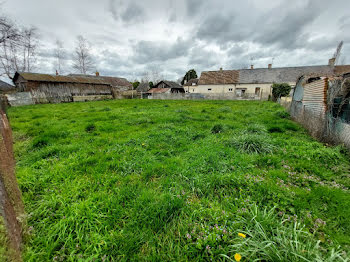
[131, 37]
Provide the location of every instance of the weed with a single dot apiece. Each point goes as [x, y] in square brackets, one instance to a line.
[90, 128]
[252, 144]
[217, 129]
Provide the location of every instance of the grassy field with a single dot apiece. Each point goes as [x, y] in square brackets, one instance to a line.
[148, 180]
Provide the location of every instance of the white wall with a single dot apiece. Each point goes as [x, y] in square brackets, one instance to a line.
[265, 89]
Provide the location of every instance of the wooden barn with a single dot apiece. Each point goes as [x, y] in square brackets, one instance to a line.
[44, 88]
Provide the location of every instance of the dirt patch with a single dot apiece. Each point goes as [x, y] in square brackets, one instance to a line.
[11, 206]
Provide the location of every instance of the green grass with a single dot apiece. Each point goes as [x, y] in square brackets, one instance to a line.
[148, 180]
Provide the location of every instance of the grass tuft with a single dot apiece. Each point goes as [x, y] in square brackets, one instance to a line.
[217, 129]
[90, 128]
[252, 144]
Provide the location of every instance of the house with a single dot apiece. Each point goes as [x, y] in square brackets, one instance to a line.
[191, 84]
[255, 83]
[143, 87]
[43, 88]
[6, 88]
[166, 87]
[321, 103]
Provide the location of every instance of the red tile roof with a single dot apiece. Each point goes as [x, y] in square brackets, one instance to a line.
[158, 90]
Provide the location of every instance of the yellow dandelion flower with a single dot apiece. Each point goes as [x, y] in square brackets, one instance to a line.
[242, 235]
[143, 144]
[238, 257]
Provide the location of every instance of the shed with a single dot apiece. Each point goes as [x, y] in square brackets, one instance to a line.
[6, 88]
[143, 87]
[173, 86]
[44, 88]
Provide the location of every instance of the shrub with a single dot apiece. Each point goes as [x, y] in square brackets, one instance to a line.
[252, 144]
[217, 129]
[279, 90]
[90, 128]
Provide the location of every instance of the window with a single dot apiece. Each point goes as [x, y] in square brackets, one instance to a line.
[240, 91]
[230, 89]
[193, 84]
[257, 91]
[192, 90]
[209, 89]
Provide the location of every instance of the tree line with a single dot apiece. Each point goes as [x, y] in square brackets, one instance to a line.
[19, 50]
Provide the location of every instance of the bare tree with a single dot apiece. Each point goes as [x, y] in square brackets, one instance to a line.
[83, 61]
[59, 55]
[8, 31]
[17, 48]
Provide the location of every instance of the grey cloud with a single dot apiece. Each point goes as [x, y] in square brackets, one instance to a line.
[113, 9]
[148, 51]
[133, 13]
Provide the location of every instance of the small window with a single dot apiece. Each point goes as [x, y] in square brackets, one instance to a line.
[257, 91]
[193, 84]
[209, 89]
[192, 90]
[230, 89]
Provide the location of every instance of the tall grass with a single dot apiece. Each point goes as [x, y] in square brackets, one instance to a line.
[252, 144]
[142, 180]
[271, 238]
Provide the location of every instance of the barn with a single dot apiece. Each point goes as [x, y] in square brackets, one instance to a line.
[33, 88]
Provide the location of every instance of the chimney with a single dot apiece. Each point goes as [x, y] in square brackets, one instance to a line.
[270, 66]
[56, 73]
[251, 66]
[331, 62]
[97, 73]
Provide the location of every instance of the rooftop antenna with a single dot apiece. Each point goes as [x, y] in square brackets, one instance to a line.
[337, 52]
[273, 59]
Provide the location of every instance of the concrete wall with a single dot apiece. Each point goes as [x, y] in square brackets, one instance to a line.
[197, 96]
[20, 99]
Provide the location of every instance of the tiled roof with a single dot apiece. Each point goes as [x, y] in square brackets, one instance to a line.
[266, 75]
[116, 81]
[219, 77]
[143, 87]
[278, 75]
[170, 84]
[191, 82]
[158, 90]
